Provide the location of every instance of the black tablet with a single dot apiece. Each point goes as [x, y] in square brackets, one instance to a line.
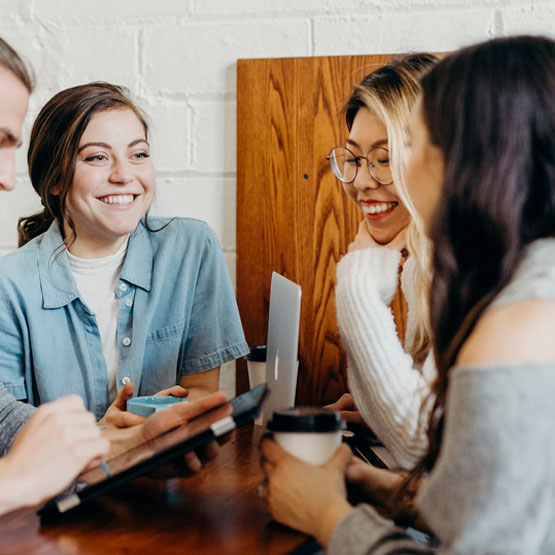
[150, 455]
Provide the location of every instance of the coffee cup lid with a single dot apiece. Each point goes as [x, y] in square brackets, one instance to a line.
[257, 353]
[305, 419]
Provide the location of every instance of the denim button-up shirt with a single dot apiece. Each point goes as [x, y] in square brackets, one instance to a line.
[177, 316]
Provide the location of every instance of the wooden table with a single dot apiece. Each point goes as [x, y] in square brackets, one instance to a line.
[216, 511]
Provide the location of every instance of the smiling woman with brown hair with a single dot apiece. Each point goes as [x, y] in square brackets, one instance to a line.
[137, 304]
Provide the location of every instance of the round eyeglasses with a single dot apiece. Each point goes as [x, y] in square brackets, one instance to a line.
[345, 164]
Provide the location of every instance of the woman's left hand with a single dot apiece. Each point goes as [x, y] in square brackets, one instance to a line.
[309, 498]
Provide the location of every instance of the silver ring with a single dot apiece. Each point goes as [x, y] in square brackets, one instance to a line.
[261, 490]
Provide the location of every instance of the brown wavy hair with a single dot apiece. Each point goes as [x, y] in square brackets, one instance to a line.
[53, 148]
[490, 108]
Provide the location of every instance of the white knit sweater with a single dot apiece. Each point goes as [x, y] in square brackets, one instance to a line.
[387, 388]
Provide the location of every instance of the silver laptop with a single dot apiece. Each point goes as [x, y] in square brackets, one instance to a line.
[283, 343]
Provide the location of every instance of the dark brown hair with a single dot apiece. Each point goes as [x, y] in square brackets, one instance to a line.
[490, 108]
[53, 149]
[12, 61]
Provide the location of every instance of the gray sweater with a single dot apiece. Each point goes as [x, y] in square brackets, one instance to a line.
[13, 416]
[492, 489]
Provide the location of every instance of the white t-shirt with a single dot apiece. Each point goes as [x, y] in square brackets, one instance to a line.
[96, 280]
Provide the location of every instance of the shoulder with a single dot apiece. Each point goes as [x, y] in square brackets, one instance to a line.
[171, 239]
[180, 230]
[514, 333]
[175, 226]
[20, 261]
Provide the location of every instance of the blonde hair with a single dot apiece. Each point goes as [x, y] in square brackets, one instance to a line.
[390, 94]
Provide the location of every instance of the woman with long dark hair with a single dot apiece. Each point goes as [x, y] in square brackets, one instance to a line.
[482, 178]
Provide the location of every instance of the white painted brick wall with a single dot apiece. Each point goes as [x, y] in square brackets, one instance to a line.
[178, 57]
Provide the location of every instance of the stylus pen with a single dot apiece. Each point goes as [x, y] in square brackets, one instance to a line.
[106, 468]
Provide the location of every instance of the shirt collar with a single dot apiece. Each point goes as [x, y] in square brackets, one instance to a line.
[137, 268]
[56, 280]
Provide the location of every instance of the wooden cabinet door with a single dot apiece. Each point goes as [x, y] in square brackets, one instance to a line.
[292, 215]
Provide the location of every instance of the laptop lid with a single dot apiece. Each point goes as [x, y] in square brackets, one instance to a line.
[283, 343]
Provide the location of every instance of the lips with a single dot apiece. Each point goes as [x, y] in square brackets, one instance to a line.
[377, 207]
[118, 199]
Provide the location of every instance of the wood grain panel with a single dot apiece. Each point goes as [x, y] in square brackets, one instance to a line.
[292, 216]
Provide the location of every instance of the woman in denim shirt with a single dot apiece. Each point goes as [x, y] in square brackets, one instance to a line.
[102, 300]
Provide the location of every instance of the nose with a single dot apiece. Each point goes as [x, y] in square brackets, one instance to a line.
[7, 169]
[120, 173]
[364, 179]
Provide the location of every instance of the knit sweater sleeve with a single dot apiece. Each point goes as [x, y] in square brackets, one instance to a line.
[13, 416]
[386, 387]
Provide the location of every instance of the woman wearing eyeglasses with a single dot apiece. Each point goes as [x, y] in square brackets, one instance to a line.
[388, 382]
[482, 177]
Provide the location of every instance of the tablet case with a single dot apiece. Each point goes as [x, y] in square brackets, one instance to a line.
[245, 409]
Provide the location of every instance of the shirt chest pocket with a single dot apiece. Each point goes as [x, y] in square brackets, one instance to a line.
[166, 334]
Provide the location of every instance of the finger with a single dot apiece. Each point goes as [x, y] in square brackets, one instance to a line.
[267, 467]
[174, 391]
[87, 452]
[350, 416]
[181, 413]
[187, 411]
[67, 403]
[341, 458]
[192, 462]
[124, 419]
[211, 449]
[273, 452]
[124, 394]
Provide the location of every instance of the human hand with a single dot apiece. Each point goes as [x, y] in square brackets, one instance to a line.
[58, 442]
[306, 497]
[347, 409]
[117, 415]
[165, 421]
[364, 240]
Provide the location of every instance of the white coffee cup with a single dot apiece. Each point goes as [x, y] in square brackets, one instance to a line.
[311, 434]
[256, 368]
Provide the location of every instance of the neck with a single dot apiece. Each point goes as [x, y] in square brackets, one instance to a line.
[84, 247]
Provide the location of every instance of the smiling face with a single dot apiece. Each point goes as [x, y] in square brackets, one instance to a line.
[425, 171]
[385, 214]
[13, 108]
[113, 183]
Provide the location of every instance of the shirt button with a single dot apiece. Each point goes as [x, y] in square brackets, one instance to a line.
[125, 381]
[126, 341]
[129, 302]
[122, 287]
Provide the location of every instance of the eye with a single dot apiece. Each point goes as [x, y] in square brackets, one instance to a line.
[96, 158]
[141, 155]
[352, 160]
[383, 161]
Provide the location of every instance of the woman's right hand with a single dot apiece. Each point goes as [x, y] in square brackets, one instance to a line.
[347, 408]
[364, 240]
[117, 415]
[58, 442]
